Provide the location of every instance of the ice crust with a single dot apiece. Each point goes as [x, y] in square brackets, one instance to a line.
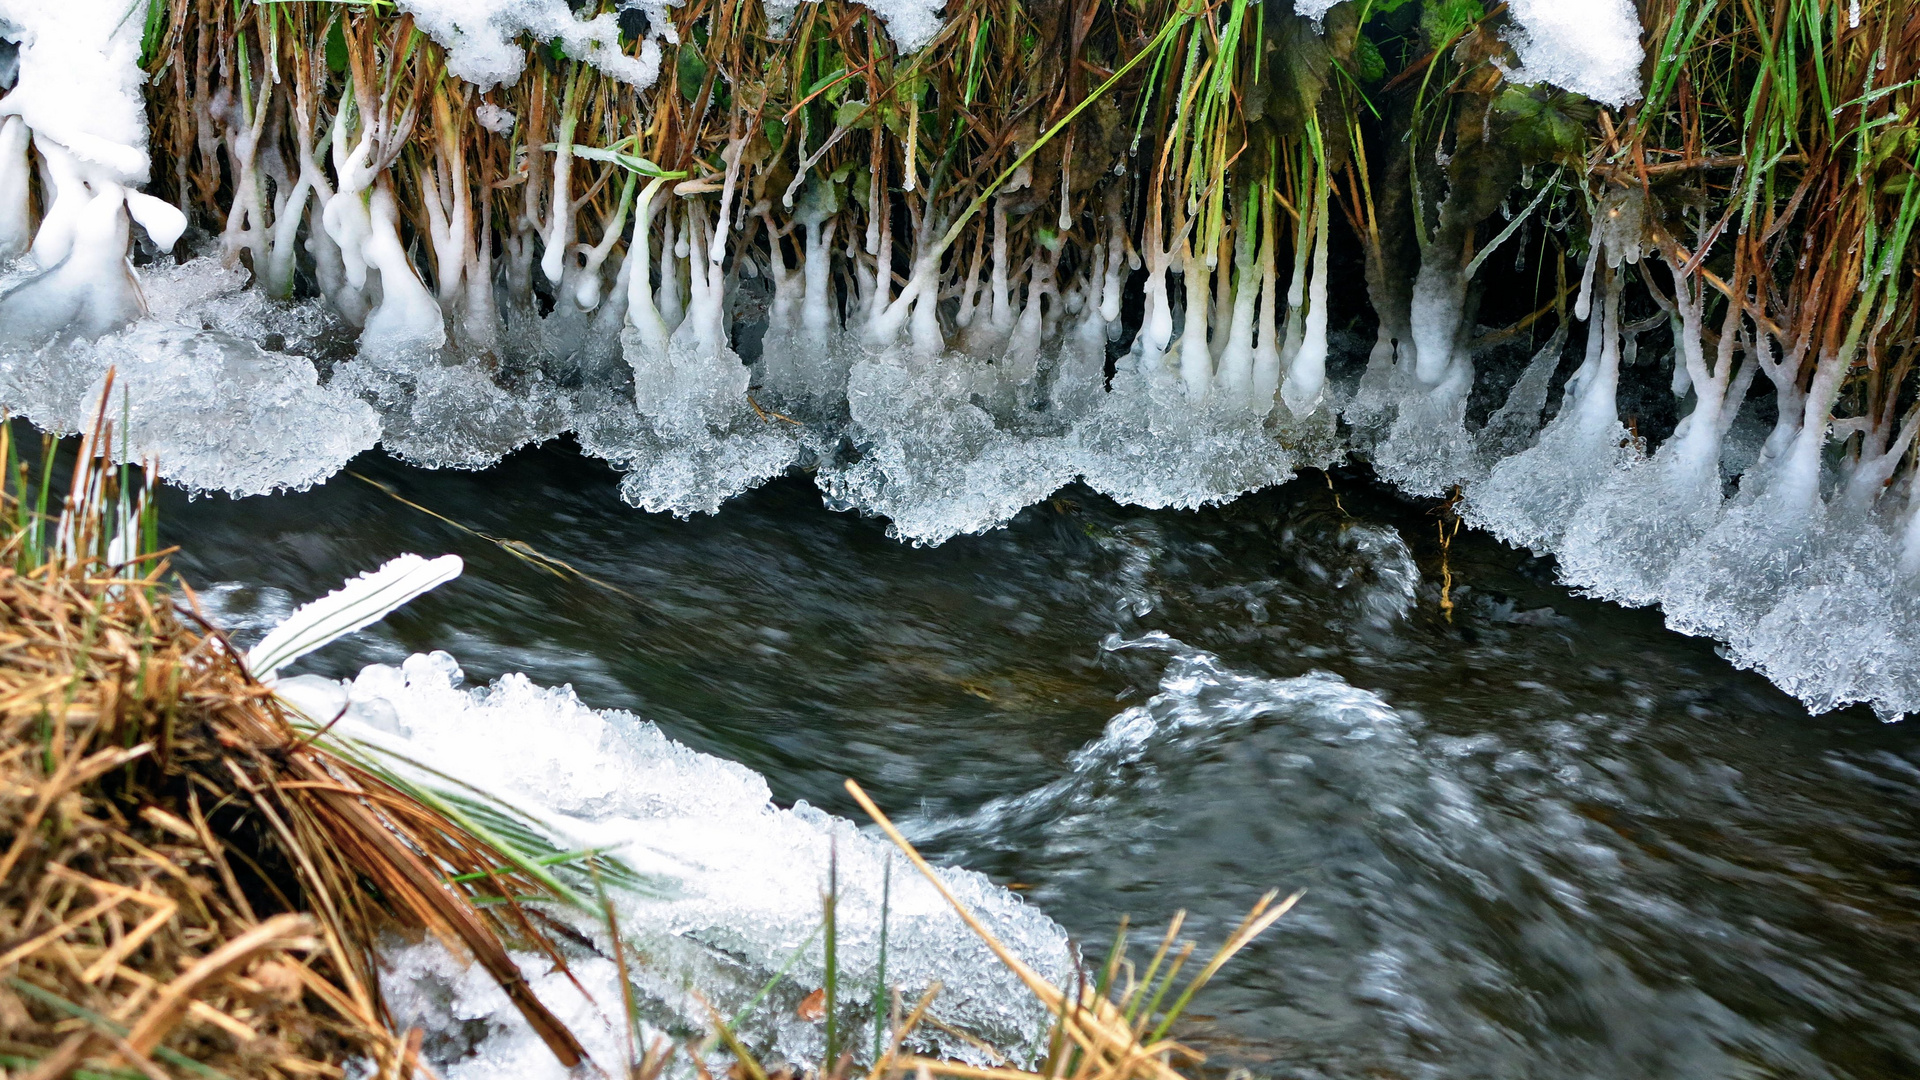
[1806, 590]
[735, 882]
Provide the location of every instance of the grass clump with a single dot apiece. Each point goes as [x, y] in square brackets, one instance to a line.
[189, 884]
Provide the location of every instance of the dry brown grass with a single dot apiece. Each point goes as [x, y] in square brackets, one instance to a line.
[188, 885]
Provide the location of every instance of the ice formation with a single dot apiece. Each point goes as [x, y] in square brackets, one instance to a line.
[732, 884]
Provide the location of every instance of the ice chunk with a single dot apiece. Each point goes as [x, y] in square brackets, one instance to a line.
[933, 460]
[1313, 9]
[494, 118]
[220, 413]
[460, 414]
[910, 23]
[1148, 446]
[737, 881]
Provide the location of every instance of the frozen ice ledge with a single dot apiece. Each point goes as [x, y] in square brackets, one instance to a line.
[725, 889]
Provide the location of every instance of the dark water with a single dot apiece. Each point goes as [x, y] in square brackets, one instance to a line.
[1546, 838]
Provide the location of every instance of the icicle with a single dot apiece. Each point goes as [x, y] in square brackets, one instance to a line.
[480, 317]
[673, 248]
[706, 309]
[1307, 372]
[587, 293]
[407, 317]
[1595, 395]
[346, 215]
[1114, 282]
[816, 314]
[722, 223]
[246, 229]
[1797, 479]
[1150, 344]
[449, 218]
[1266, 349]
[1000, 316]
[1234, 379]
[1022, 357]
[560, 228]
[1583, 307]
[91, 291]
[277, 279]
[71, 197]
[1220, 309]
[970, 285]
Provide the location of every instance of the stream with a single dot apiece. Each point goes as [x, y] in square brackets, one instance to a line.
[1539, 835]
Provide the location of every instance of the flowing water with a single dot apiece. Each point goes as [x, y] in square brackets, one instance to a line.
[1544, 837]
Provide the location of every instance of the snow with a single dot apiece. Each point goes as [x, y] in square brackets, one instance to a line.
[482, 37]
[80, 80]
[1590, 47]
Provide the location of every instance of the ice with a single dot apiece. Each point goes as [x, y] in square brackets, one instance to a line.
[696, 441]
[1145, 445]
[733, 883]
[494, 118]
[223, 414]
[910, 23]
[933, 460]
[220, 412]
[451, 414]
[1591, 47]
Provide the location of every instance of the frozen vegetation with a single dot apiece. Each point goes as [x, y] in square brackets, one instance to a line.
[711, 271]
